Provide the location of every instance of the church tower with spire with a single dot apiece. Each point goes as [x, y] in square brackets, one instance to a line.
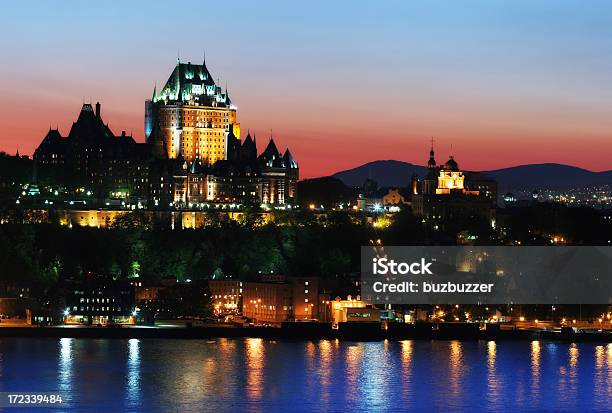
[431, 164]
[430, 182]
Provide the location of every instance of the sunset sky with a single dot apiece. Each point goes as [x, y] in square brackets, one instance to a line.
[340, 83]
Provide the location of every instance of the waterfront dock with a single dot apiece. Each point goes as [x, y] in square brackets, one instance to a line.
[314, 331]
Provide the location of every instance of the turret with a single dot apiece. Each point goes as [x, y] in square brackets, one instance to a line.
[270, 156]
[248, 151]
[290, 162]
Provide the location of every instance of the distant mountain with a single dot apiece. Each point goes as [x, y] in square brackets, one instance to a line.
[549, 176]
[385, 173]
[537, 176]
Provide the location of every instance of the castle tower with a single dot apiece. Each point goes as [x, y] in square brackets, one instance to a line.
[191, 115]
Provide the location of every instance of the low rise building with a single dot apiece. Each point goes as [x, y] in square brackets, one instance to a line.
[276, 298]
[226, 296]
[304, 300]
[352, 310]
[267, 302]
[99, 302]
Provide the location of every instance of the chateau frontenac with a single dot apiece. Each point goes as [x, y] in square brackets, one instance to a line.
[190, 116]
[193, 152]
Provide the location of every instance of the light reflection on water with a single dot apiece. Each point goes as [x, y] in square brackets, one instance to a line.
[603, 376]
[64, 370]
[133, 372]
[353, 354]
[406, 355]
[494, 384]
[535, 372]
[456, 368]
[255, 362]
[260, 375]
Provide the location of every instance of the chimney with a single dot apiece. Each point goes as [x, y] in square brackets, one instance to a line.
[123, 134]
[97, 109]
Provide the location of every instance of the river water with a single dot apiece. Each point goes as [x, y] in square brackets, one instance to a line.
[259, 375]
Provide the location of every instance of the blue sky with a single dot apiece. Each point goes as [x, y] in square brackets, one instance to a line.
[367, 80]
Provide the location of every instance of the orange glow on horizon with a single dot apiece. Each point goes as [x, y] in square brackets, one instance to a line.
[339, 145]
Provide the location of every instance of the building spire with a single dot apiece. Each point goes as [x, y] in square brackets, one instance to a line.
[432, 160]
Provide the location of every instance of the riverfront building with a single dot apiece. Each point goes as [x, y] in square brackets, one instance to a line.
[226, 296]
[99, 302]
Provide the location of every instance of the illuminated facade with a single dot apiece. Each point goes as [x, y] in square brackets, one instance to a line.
[305, 298]
[267, 302]
[276, 298]
[394, 197]
[192, 122]
[242, 178]
[226, 296]
[193, 154]
[352, 310]
[190, 116]
[448, 193]
[98, 301]
[106, 218]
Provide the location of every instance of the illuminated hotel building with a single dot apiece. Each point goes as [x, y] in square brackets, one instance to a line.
[193, 154]
[190, 116]
[194, 133]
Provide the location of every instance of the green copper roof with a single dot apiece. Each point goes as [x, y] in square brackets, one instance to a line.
[192, 82]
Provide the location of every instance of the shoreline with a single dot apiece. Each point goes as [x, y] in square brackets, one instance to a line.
[306, 332]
